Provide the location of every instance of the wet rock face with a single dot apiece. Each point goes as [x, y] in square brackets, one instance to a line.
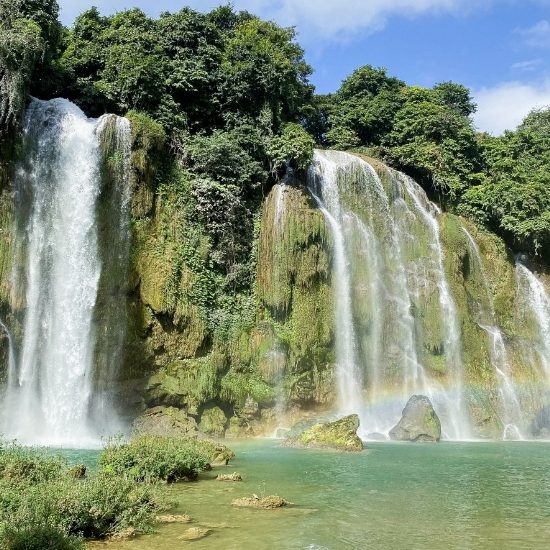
[340, 435]
[213, 422]
[418, 423]
[540, 427]
[166, 421]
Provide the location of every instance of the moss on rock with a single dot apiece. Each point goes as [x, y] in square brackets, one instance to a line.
[340, 435]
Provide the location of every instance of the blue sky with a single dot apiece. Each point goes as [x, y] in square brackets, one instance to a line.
[498, 48]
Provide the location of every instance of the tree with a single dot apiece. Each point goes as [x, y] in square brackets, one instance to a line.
[22, 45]
[514, 195]
[364, 108]
[264, 67]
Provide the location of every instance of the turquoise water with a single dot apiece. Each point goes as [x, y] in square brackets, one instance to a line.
[393, 496]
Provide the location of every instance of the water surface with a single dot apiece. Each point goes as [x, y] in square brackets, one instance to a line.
[393, 496]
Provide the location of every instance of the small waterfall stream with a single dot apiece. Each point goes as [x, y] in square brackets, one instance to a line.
[58, 186]
[512, 416]
[538, 302]
[325, 192]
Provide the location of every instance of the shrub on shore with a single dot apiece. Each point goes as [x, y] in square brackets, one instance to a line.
[42, 501]
[152, 458]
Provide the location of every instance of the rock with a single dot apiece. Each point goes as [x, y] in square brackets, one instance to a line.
[180, 518]
[167, 421]
[213, 422]
[229, 477]
[418, 423]
[250, 410]
[267, 503]
[340, 435]
[195, 533]
[220, 454]
[540, 427]
[125, 534]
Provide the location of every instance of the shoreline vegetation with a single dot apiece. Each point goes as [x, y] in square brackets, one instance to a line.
[47, 503]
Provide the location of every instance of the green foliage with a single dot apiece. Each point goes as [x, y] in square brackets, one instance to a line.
[262, 65]
[150, 458]
[293, 147]
[21, 45]
[188, 70]
[41, 501]
[23, 465]
[433, 141]
[514, 194]
[364, 107]
[37, 537]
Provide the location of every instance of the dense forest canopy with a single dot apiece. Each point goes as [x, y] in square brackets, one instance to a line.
[228, 96]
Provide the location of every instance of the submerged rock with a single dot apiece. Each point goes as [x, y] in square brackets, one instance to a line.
[166, 421]
[418, 423]
[340, 435]
[171, 518]
[125, 534]
[267, 503]
[195, 533]
[229, 477]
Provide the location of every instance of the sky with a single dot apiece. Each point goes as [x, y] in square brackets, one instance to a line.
[500, 49]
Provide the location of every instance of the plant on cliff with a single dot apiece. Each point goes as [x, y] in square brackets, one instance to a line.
[293, 147]
[21, 45]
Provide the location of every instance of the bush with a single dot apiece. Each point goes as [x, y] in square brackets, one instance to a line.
[151, 458]
[21, 465]
[37, 538]
[40, 497]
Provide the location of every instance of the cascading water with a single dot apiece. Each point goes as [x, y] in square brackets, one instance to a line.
[323, 186]
[388, 264]
[57, 190]
[511, 415]
[538, 301]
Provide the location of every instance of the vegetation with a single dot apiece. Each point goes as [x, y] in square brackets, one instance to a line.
[150, 458]
[44, 505]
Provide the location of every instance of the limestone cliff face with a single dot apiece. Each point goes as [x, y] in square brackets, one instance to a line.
[272, 356]
[244, 362]
[293, 286]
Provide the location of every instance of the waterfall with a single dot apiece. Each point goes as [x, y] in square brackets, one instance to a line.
[58, 186]
[323, 186]
[538, 302]
[512, 417]
[389, 280]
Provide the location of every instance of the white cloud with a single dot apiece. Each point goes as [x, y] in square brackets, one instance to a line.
[505, 105]
[537, 36]
[529, 65]
[314, 18]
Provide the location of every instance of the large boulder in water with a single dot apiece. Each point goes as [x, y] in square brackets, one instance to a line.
[340, 435]
[418, 423]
